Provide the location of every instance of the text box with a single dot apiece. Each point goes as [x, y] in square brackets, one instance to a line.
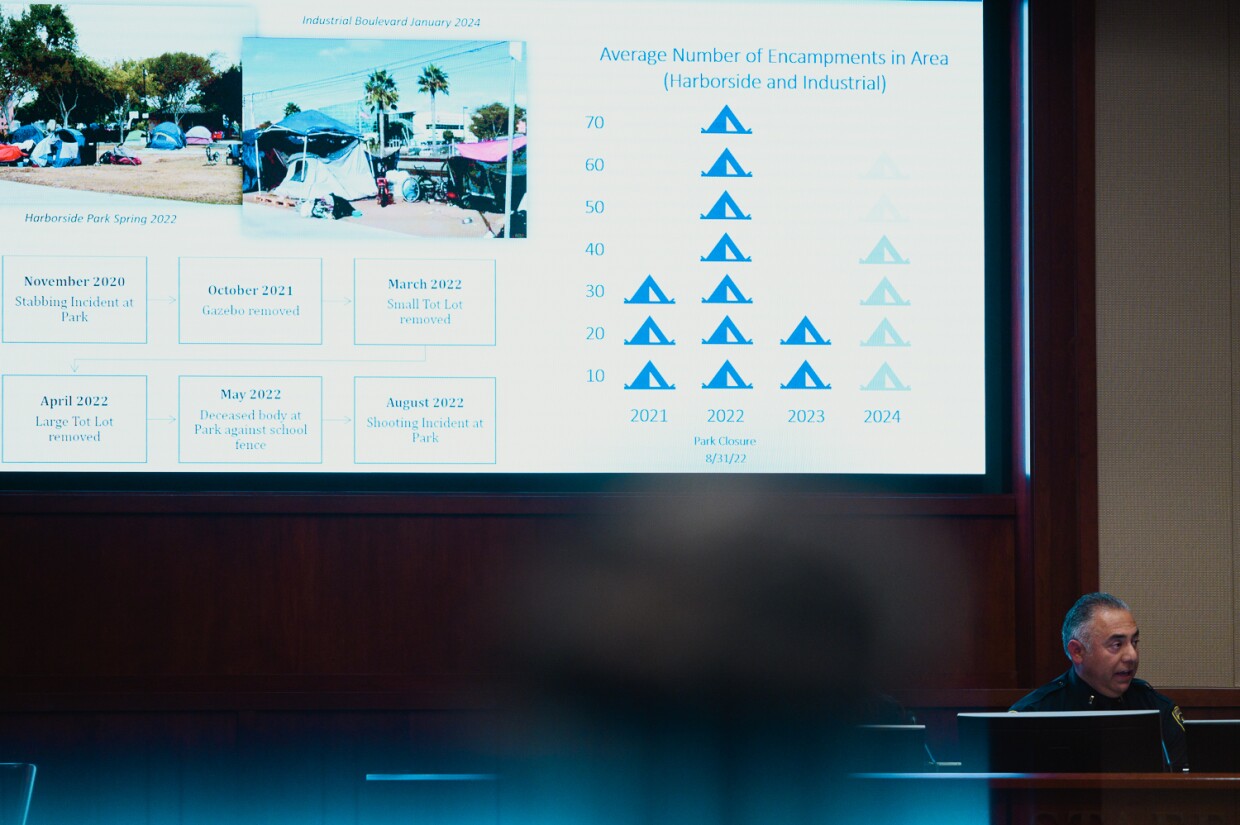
[251, 419]
[74, 300]
[424, 302]
[71, 419]
[251, 300]
[424, 420]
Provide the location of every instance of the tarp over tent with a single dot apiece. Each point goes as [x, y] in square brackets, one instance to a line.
[479, 184]
[30, 131]
[310, 176]
[61, 148]
[489, 151]
[306, 136]
[166, 135]
[198, 135]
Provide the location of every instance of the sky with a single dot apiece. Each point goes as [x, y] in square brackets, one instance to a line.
[314, 73]
[107, 33]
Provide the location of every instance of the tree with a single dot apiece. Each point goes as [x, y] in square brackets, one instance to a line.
[291, 108]
[123, 81]
[433, 81]
[31, 45]
[221, 95]
[381, 95]
[491, 121]
[75, 83]
[176, 79]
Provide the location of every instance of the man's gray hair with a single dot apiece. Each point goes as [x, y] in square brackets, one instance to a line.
[1083, 611]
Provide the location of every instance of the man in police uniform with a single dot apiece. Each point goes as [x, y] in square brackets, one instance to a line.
[1101, 639]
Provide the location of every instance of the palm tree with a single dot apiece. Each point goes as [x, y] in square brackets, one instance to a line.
[291, 108]
[381, 95]
[433, 81]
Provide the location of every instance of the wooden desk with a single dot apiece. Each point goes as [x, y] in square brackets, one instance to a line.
[1060, 799]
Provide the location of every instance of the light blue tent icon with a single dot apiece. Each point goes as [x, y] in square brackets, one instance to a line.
[726, 166]
[727, 378]
[885, 210]
[727, 333]
[885, 335]
[726, 123]
[885, 380]
[884, 253]
[727, 293]
[649, 335]
[884, 169]
[649, 379]
[726, 251]
[885, 295]
[805, 379]
[725, 209]
[649, 293]
[805, 335]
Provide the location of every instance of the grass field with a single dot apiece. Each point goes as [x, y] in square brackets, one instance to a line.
[181, 174]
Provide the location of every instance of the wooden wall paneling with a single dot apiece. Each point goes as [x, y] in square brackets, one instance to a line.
[1063, 557]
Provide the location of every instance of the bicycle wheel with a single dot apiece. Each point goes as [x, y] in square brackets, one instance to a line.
[409, 190]
[426, 189]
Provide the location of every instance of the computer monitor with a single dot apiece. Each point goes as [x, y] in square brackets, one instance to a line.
[1213, 745]
[1073, 742]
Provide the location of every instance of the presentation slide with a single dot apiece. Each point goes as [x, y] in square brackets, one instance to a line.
[493, 237]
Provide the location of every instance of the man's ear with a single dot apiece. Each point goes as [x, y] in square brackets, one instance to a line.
[1076, 651]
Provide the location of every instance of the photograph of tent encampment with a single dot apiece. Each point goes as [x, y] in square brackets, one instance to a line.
[420, 137]
[130, 101]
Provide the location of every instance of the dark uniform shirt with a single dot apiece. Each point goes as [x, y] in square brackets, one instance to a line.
[1070, 692]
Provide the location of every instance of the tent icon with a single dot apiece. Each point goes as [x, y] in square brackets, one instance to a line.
[805, 335]
[805, 379]
[884, 253]
[885, 335]
[725, 209]
[726, 123]
[649, 293]
[885, 380]
[727, 333]
[727, 378]
[885, 210]
[649, 335]
[884, 169]
[727, 293]
[884, 295]
[726, 251]
[726, 166]
[649, 379]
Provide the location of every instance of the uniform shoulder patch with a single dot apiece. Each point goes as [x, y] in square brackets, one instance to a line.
[1178, 716]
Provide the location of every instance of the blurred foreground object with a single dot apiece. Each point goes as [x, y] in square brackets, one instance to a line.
[705, 660]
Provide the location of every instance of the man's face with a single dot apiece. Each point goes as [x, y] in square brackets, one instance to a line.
[1106, 655]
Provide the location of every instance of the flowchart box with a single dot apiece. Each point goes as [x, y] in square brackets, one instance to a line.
[408, 302]
[400, 420]
[250, 419]
[65, 299]
[251, 300]
[73, 419]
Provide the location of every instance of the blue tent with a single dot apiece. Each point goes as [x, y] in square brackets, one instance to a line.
[30, 131]
[249, 160]
[302, 133]
[310, 132]
[61, 148]
[166, 135]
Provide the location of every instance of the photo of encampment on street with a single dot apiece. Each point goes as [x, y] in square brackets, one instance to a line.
[420, 137]
[89, 101]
